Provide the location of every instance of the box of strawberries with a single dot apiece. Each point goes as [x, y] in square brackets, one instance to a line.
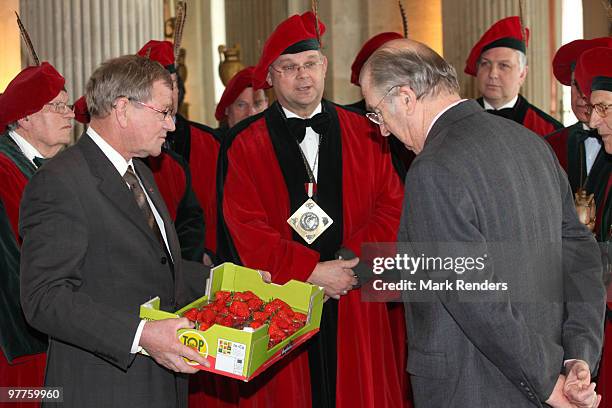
[244, 325]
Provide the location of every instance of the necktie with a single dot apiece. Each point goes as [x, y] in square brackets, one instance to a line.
[319, 123]
[143, 204]
[504, 113]
[585, 134]
[39, 161]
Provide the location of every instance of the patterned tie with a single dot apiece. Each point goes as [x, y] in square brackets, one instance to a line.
[143, 204]
[39, 161]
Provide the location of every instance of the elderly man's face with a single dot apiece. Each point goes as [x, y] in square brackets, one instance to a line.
[148, 127]
[390, 107]
[248, 103]
[299, 80]
[499, 76]
[49, 128]
[601, 117]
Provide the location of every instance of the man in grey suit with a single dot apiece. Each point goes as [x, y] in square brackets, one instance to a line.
[480, 179]
[98, 242]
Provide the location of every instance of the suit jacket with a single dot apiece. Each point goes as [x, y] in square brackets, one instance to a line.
[89, 260]
[487, 180]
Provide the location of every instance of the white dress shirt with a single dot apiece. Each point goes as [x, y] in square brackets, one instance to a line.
[592, 146]
[310, 144]
[29, 151]
[510, 104]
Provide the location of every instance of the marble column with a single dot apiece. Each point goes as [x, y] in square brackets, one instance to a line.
[77, 35]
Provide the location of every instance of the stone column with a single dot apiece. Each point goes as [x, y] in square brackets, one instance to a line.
[77, 35]
[465, 21]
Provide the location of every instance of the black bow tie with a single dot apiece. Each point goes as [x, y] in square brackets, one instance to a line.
[319, 123]
[504, 113]
[585, 134]
[39, 161]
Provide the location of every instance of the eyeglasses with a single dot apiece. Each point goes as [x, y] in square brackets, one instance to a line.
[376, 116]
[166, 113]
[60, 107]
[600, 108]
[291, 70]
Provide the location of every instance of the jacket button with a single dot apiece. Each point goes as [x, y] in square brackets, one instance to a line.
[164, 260]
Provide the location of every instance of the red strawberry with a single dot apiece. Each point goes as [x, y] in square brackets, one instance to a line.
[256, 323]
[249, 295]
[281, 323]
[207, 316]
[300, 317]
[240, 309]
[205, 326]
[263, 316]
[222, 295]
[192, 314]
[227, 321]
[255, 303]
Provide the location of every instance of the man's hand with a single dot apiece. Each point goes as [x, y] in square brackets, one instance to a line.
[557, 399]
[160, 340]
[578, 388]
[336, 277]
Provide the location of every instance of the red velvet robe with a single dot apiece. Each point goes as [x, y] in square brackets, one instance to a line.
[173, 179]
[26, 370]
[255, 209]
[529, 116]
[199, 146]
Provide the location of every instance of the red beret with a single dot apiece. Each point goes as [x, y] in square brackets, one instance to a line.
[506, 32]
[368, 48]
[160, 51]
[81, 113]
[594, 70]
[28, 92]
[235, 86]
[566, 57]
[293, 30]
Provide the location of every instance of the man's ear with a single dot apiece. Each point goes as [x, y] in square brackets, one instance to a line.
[269, 78]
[524, 74]
[120, 111]
[407, 98]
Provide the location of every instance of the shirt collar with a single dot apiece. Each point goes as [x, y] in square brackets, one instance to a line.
[114, 156]
[510, 104]
[29, 151]
[290, 114]
[440, 114]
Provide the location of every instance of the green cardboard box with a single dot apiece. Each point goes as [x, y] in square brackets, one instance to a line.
[243, 354]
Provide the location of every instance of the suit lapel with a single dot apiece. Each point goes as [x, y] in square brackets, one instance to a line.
[151, 188]
[112, 185]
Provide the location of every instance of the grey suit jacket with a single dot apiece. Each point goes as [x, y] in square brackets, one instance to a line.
[487, 180]
[89, 260]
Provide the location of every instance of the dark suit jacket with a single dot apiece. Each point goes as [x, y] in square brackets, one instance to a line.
[487, 180]
[89, 260]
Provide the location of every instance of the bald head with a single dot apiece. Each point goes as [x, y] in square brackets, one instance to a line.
[410, 62]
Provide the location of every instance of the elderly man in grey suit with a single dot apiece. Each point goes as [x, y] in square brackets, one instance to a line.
[483, 179]
[98, 242]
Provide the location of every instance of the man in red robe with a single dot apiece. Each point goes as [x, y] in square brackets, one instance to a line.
[499, 63]
[240, 100]
[198, 144]
[307, 152]
[34, 129]
[594, 77]
[578, 147]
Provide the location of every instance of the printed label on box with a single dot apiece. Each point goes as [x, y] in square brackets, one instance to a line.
[230, 356]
